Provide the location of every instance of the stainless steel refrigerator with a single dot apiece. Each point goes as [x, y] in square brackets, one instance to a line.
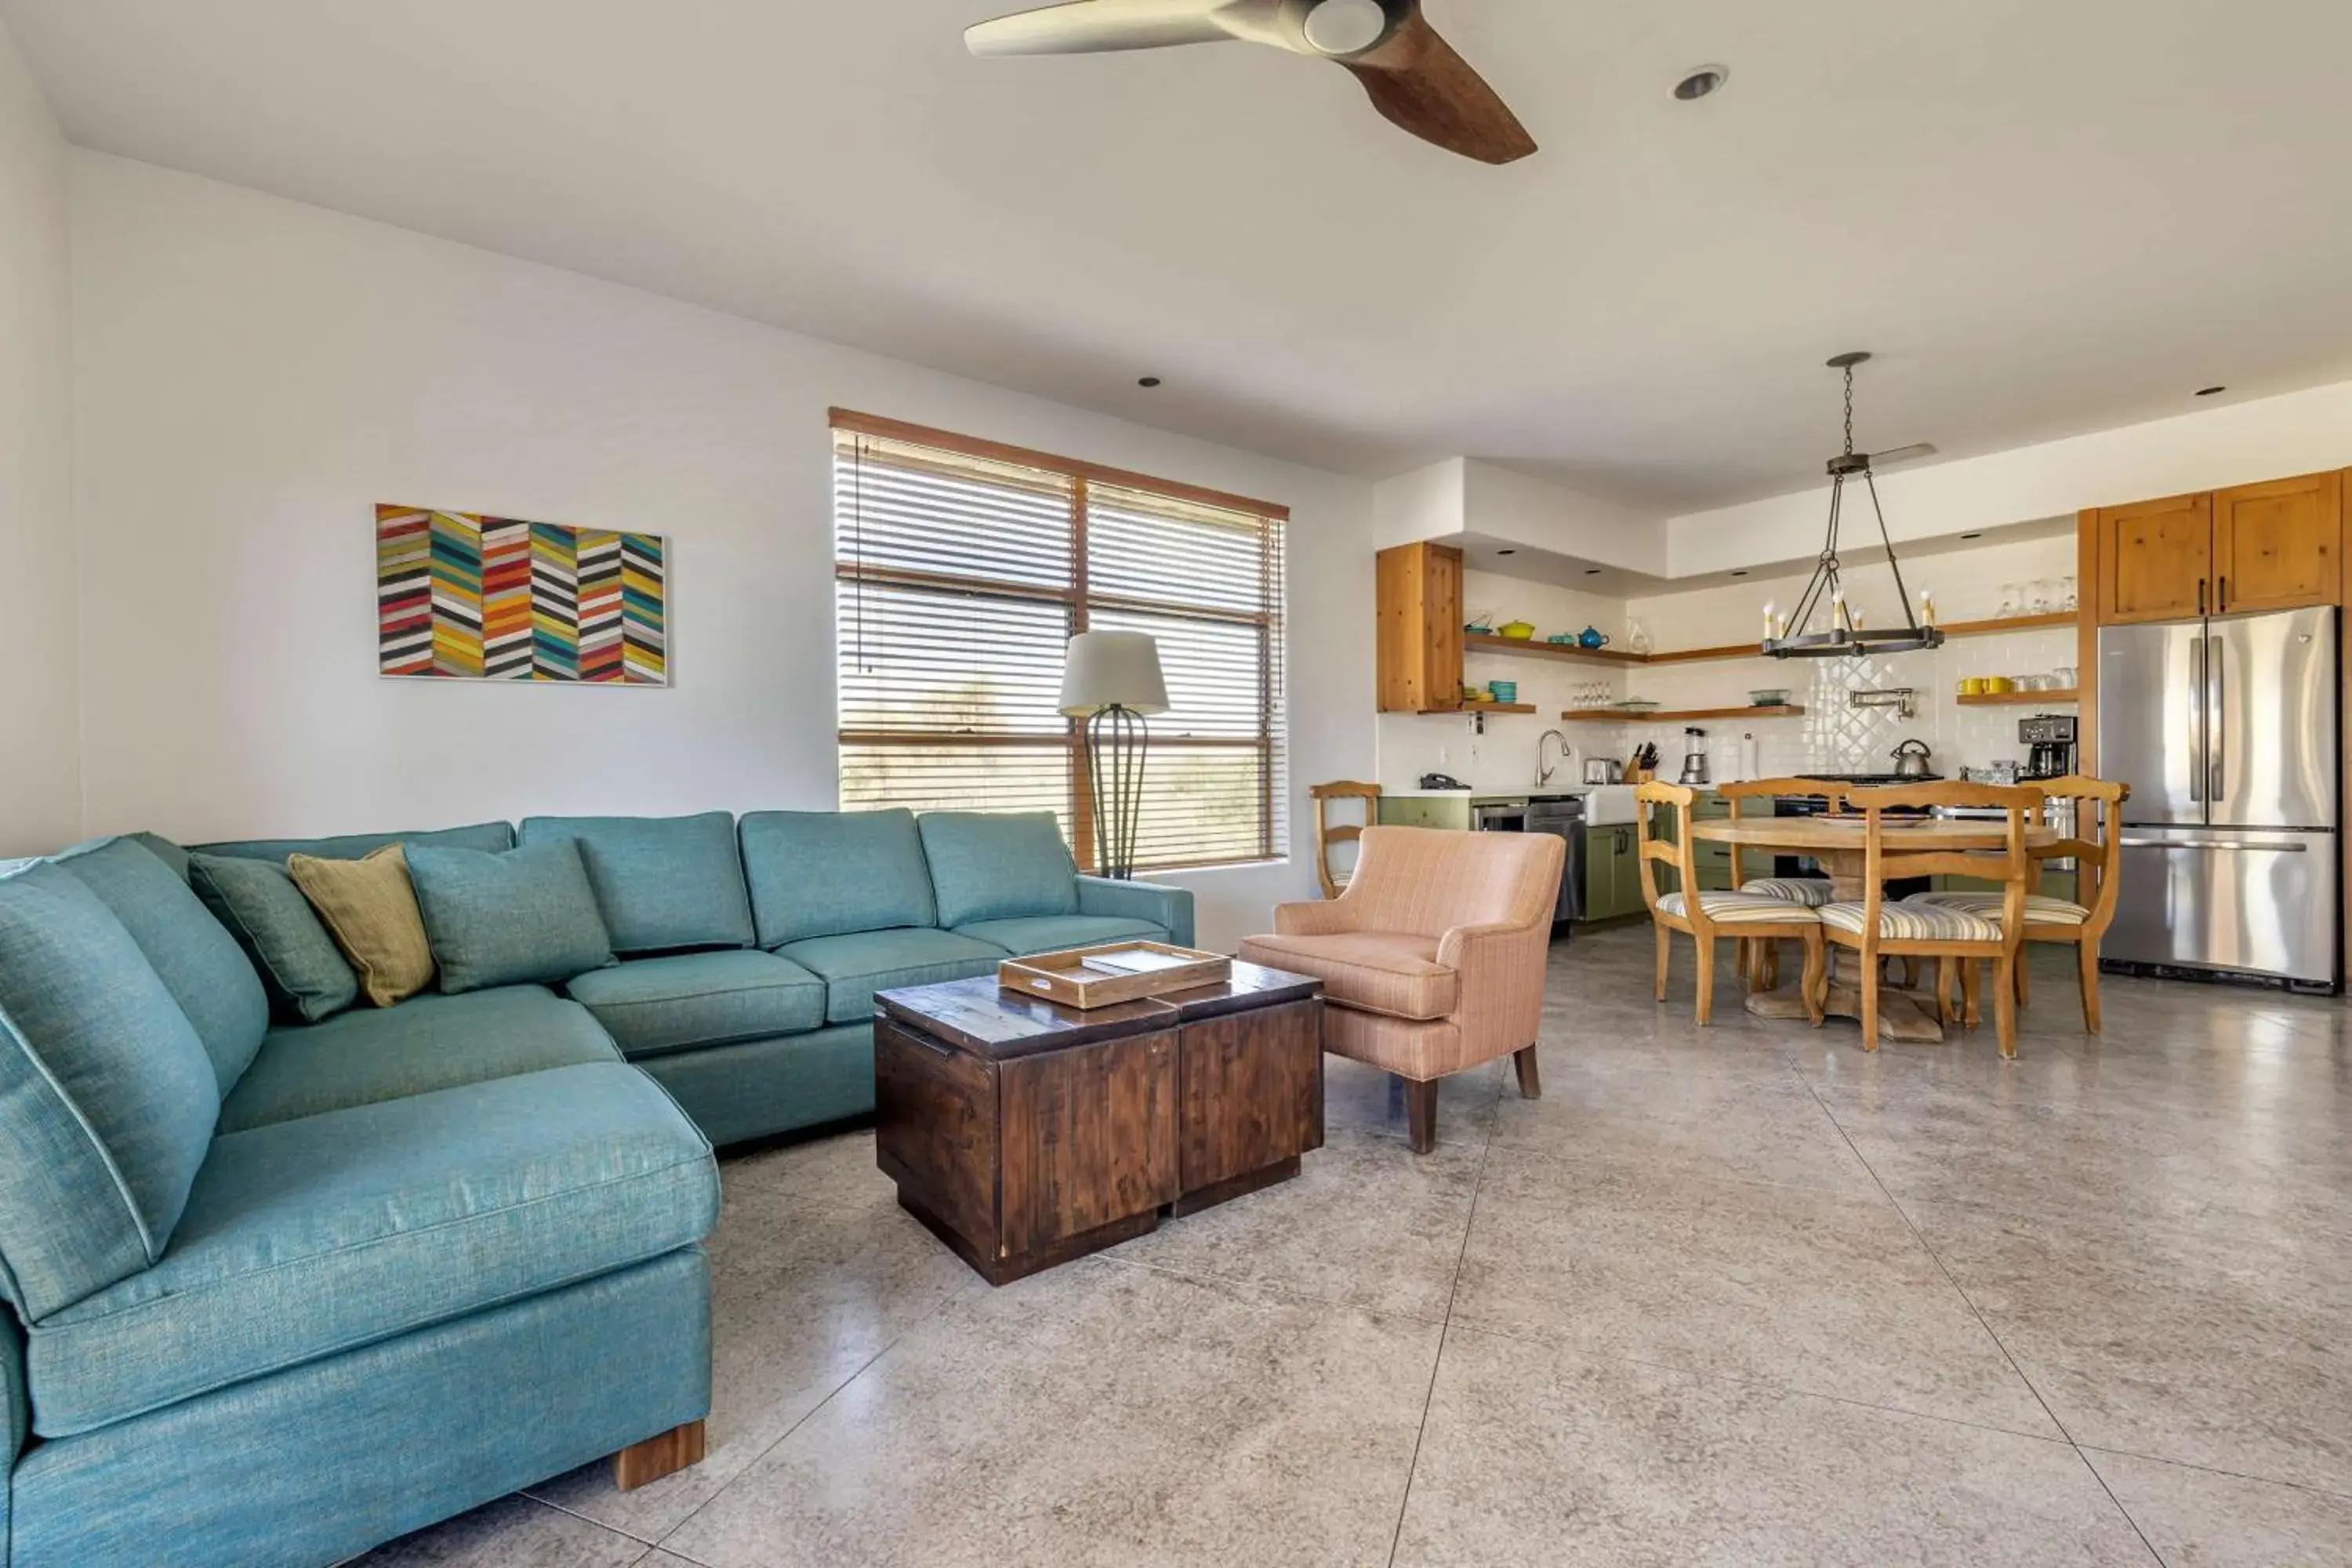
[2227, 731]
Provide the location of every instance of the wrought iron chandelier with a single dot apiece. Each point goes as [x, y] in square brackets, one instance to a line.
[1825, 594]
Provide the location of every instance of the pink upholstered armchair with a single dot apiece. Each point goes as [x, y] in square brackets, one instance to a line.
[1434, 958]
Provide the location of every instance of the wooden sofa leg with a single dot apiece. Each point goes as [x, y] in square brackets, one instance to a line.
[641, 1464]
[1421, 1114]
[1530, 1081]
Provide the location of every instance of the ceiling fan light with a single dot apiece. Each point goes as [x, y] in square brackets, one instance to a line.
[1345, 27]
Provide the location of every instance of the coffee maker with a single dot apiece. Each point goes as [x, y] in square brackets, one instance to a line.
[2052, 738]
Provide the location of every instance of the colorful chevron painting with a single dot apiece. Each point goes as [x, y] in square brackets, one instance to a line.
[462, 598]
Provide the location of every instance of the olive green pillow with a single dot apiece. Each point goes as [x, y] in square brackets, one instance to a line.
[369, 908]
[301, 967]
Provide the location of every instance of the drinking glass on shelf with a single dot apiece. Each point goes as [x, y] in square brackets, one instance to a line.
[2067, 599]
[2011, 600]
[2045, 598]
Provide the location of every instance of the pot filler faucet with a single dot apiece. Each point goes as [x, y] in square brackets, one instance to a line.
[1544, 770]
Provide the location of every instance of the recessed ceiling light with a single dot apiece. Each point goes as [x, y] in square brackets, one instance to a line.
[1701, 81]
[2210, 391]
[1739, 574]
[1972, 536]
[1593, 570]
[1148, 381]
[1507, 552]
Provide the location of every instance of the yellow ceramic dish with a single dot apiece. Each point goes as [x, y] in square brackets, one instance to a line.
[1517, 631]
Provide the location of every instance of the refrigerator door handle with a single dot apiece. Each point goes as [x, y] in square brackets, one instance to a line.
[2267, 848]
[2216, 717]
[2197, 691]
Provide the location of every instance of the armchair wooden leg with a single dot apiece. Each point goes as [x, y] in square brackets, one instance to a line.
[2004, 1004]
[1706, 982]
[2086, 956]
[1421, 1114]
[1530, 1081]
[1816, 980]
[641, 1464]
[1666, 954]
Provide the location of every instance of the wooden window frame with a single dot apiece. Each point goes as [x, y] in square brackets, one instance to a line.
[1081, 603]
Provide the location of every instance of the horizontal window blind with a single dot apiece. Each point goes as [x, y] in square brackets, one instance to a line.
[962, 571]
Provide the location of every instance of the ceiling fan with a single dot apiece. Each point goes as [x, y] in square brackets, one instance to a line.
[1413, 76]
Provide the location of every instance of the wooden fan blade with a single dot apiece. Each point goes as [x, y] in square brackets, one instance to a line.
[1095, 26]
[1417, 82]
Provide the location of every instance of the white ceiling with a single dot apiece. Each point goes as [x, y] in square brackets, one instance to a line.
[2047, 216]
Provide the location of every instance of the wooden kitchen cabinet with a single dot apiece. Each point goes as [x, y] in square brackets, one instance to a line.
[1420, 619]
[2279, 546]
[2156, 560]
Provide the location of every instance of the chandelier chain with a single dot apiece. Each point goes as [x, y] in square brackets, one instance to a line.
[1849, 411]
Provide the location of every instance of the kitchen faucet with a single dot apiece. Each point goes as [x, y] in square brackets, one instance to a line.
[1543, 772]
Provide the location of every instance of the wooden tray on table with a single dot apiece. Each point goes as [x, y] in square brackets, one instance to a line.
[1103, 976]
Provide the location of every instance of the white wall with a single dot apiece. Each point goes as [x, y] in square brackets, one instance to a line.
[40, 783]
[1503, 503]
[253, 375]
[2244, 443]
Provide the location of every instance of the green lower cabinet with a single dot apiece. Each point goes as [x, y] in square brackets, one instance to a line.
[1451, 812]
[1613, 873]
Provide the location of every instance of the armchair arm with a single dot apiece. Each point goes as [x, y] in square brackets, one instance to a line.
[1502, 971]
[1171, 908]
[1318, 918]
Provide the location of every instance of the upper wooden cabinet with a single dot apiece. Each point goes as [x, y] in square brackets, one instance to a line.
[2156, 560]
[2279, 546]
[1420, 647]
[2273, 546]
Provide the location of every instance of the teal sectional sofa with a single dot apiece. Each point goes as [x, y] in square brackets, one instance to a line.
[278, 1291]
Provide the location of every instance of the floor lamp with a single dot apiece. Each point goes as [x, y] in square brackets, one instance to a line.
[1112, 679]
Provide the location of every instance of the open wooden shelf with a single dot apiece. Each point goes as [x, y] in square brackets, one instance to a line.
[1676, 715]
[2007, 698]
[1473, 643]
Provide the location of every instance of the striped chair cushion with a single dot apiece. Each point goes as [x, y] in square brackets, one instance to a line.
[2040, 909]
[1811, 891]
[1735, 908]
[1915, 923]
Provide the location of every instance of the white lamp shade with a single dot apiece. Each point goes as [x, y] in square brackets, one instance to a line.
[1112, 669]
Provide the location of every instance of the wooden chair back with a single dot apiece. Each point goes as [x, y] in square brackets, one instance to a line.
[1328, 834]
[1741, 794]
[1682, 854]
[1885, 857]
[2098, 853]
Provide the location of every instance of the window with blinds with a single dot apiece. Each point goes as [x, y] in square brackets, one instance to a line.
[963, 569]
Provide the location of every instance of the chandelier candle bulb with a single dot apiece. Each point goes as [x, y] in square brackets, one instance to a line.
[1771, 622]
[1927, 607]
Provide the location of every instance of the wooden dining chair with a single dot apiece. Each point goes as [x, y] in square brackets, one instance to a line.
[1757, 960]
[2096, 849]
[1328, 835]
[1704, 916]
[1873, 929]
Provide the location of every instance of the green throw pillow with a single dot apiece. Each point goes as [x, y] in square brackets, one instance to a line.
[301, 967]
[527, 917]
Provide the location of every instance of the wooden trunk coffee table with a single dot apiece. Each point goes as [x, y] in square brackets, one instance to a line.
[1025, 1133]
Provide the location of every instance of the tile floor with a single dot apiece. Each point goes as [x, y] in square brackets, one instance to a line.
[1737, 1296]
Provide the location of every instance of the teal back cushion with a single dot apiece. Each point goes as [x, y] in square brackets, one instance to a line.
[524, 917]
[989, 866]
[305, 974]
[200, 962]
[831, 873]
[662, 883]
[491, 836]
[107, 1097]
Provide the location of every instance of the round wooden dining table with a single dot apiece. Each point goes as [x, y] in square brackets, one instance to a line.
[1837, 844]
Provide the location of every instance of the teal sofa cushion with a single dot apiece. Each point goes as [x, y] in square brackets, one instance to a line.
[824, 873]
[526, 917]
[854, 967]
[304, 973]
[663, 883]
[757, 1089]
[487, 836]
[690, 999]
[316, 1237]
[171, 854]
[208, 976]
[1169, 907]
[1051, 933]
[107, 1097]
[427, 1043]
[996, 867]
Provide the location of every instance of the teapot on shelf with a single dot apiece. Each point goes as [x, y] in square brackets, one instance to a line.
[1591, 637]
